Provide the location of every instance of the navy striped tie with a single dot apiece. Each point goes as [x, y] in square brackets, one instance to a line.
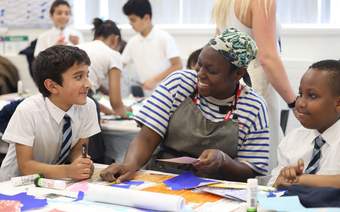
[65, 148]
[313, 165]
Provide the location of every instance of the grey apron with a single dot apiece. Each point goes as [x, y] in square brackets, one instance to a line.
[190, 133]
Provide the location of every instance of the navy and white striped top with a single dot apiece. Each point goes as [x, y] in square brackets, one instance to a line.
[253, 144]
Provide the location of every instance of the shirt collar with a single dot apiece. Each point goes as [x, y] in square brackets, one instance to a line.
[150, 36]
[330, 135]
[57, 113]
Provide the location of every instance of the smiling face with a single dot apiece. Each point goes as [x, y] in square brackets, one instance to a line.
[215, 77]
[317, 106]
[74, 87]
[61, 16]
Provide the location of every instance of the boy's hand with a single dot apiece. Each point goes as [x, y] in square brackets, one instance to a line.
[74, 39]
[210, 161]
[290, 174]
[80, 169]
[123, 111]
[118, 173]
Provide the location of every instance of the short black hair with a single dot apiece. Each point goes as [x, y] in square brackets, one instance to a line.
[57, 3]
[193, 58]
[53, 62]
[139, 8]
[333, 68]
[105, 28]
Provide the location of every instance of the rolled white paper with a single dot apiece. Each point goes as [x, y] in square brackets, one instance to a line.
[134, 198]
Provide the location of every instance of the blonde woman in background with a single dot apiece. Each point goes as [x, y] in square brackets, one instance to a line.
[258, 19]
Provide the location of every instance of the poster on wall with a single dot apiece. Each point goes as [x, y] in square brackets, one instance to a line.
[25, 14]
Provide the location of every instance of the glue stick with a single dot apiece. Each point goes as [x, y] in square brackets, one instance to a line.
[252, 195]
[49, 183]
[24, 180]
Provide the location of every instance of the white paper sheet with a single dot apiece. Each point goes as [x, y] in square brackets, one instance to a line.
[134, 198]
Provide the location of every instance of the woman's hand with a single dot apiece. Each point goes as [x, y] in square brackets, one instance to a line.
[211, 161]
[118, 173]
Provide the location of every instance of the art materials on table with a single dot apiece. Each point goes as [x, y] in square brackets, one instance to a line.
[180, 160]
[134, 198]
[187, 180]
[24, 180]
[49, 183]
[252, 195]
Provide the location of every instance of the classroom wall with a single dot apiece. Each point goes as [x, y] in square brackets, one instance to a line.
[301, 45]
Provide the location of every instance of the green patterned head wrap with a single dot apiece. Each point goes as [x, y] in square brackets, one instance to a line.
[235, 46]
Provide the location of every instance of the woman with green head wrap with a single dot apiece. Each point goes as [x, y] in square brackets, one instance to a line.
[207, 115]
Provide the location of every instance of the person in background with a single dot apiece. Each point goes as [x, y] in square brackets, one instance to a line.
[106, 64]
[193, 59]
[309, 155]
[47, 130]
[257, 18]
[153, 51]
[60, 34]
[207, 115]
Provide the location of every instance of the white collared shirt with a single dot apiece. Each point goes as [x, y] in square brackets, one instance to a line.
[38, 123]
[151, 54]
[299, 144]
[103, 59]
[51, 36]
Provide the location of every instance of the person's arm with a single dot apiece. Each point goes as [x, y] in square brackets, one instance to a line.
[264, 32]
[139, 152]
[319, 180]
[79, 169]
[176, 64]
[76, 151]
[114, 93]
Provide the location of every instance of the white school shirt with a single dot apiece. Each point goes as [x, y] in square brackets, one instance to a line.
[299, 144]
[38, 123]
[103, 59]
[151, 54]
[51, 36]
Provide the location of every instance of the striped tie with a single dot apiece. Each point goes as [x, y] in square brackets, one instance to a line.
[65, 148]
[313, 165]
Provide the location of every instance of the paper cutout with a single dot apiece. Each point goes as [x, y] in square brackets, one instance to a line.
[128, 184]
[10, 205]
[79, 186]
[28, 201]
[80, 196]
[234, 194]
[289, 203]
[181, 160]
[186, 180]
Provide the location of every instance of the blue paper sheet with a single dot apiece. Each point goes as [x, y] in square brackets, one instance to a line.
[186, 180]
[28, 201]
[286, 203]
[128, 184]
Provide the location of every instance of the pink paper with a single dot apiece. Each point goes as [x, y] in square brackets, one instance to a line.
[79, 186]
[182, 160]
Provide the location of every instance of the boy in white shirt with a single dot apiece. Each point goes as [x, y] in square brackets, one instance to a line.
[47, 130]
[310, 155]
[153, 51]
[60, 33]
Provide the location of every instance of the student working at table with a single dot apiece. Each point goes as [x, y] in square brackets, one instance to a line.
[47, 130]
[206, 114]
[310, 155]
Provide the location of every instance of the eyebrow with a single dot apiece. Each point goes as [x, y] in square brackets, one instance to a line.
[80, 72]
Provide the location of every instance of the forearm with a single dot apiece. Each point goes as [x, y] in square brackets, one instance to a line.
[277, 76]
[235, 170]
[320, 180]
[141, 148]
[48, 170]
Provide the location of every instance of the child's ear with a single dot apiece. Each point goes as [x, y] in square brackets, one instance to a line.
[51, 86]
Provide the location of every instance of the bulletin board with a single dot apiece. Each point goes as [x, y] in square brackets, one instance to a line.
[25, 13]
